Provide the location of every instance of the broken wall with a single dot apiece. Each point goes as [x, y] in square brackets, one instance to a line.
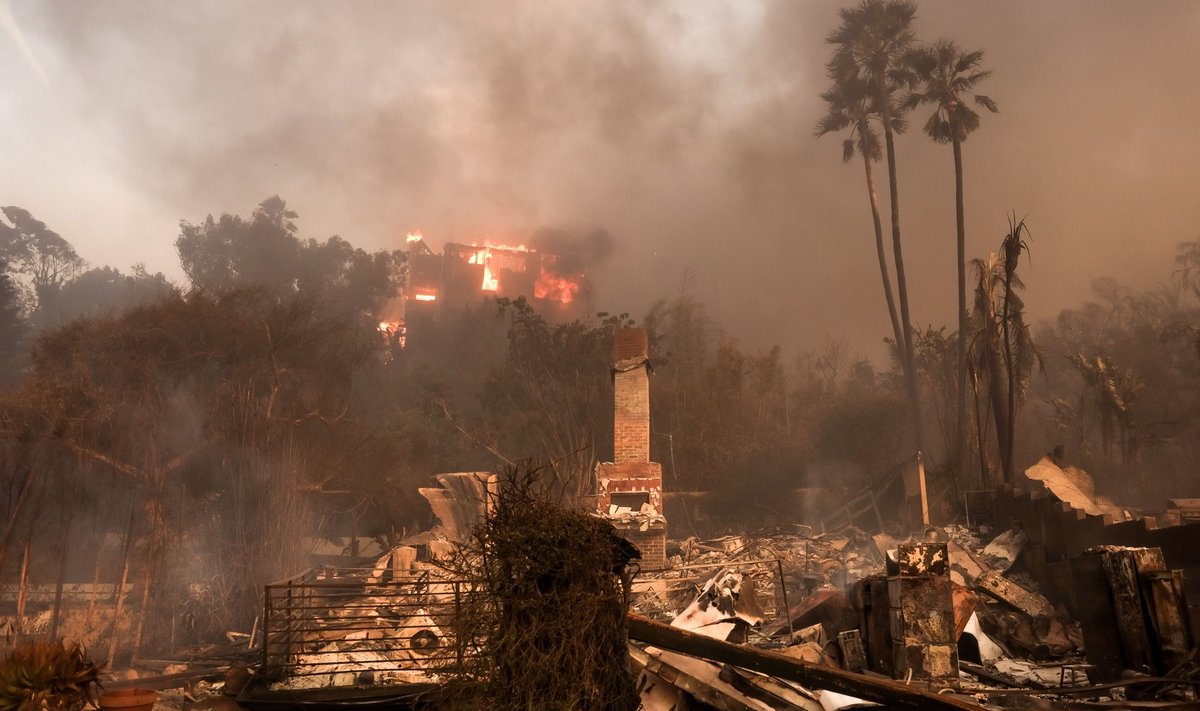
[1059, 533]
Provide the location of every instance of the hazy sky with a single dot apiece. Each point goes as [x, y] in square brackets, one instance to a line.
[683, 128]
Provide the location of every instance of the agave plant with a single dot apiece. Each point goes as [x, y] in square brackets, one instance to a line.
[47, 676]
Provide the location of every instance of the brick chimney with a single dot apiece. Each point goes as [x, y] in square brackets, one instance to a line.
[629, 488]
[631, 396]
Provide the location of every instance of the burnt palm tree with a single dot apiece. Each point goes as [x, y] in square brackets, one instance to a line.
[850, 106]
[1006, 352]
[944, 76]
[870, 46]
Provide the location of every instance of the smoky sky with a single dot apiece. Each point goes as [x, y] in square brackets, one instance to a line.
[680, 131]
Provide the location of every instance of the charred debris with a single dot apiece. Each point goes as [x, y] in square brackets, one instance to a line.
[1049, 596]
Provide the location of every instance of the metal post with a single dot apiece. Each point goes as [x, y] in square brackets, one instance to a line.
[787, 609]
[458, 626]
[266, 630]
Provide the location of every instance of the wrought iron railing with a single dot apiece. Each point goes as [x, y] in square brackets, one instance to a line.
[361, 626]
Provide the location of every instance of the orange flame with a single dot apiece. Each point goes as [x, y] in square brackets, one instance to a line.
[556, 288]
[491, 282]
[413, 237]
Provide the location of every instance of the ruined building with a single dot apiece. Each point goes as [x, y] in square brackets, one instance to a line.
[629, 488]
[465, 273]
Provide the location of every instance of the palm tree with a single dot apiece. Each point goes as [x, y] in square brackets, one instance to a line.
[871, 45]
[850, 106]
[1006, 351]
[943, 76]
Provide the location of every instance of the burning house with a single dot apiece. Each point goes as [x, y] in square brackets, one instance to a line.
[464, 274]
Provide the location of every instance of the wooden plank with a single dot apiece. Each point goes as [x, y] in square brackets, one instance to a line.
[885, 691]
[1120, 569]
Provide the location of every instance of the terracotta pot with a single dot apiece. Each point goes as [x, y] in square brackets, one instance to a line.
[129, 699]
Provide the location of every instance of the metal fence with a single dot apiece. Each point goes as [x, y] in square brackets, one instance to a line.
[354, 626]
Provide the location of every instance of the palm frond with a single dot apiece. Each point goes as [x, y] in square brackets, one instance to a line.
[847, 150]
[832, 121]
[967, 61]
[938, 128]
[986, 103]
[965, 82]
[965, 121]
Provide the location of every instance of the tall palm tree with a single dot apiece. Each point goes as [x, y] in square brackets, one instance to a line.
[871, 45]
[943, 76]
[850, 106]
[1006, 351]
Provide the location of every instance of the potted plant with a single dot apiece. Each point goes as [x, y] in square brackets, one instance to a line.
[47, 676]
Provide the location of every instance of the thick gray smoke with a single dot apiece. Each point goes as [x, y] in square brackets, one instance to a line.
[682, 129]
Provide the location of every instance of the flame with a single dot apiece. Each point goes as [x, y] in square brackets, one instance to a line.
[413, 237]
[491, 282]
[556, 288]
[497, 258]
[484, 257]
[388, 327]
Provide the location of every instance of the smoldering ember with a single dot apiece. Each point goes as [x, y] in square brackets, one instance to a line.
[461, 355]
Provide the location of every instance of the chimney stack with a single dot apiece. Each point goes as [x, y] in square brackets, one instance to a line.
[631, 396]
[629, 488]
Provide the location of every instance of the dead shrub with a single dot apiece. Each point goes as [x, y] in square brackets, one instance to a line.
[549, 608]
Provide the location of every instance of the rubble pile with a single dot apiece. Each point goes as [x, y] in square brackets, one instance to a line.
[952, 610]
[807, 561]
[791, 617]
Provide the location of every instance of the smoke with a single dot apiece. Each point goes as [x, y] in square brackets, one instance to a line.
[9, 23]
[683, 130]
[576, 251]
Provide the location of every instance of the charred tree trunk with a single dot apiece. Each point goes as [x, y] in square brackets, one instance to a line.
[960, 436]
[156, 513]
[55, 615]
[1010, 371]
[910, 373]
[119, 594]
[980, 431]
[994, 363]
[884, 272]
[23, 590]
[15, 515]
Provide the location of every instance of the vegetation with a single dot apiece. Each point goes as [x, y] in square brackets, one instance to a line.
[553, 626]
[943, 76]
[870, 51]
[49, 676]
